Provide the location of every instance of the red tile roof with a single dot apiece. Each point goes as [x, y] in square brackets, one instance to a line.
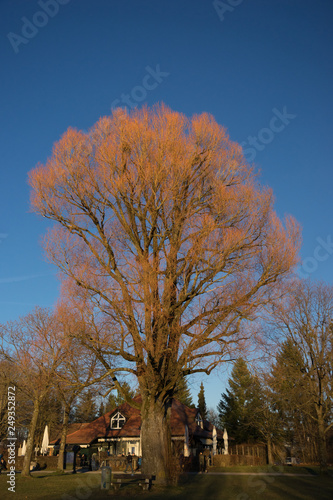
[71, 429]
[181, 415]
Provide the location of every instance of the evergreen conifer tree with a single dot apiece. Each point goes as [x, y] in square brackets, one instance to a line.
[202, 402]
[291, 397]
[238, 402]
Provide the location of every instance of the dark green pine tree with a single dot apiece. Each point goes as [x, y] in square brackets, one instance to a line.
[86, 410]
[101, 410]
[202, 402]
[183, 393]
[290, 393]
[237, 404]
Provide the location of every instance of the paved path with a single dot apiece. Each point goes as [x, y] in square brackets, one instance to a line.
[257, 474]
[209, 473]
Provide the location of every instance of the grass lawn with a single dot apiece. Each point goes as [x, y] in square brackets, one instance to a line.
[193, 487]
[271, 469]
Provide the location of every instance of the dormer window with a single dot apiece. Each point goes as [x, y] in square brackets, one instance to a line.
[199, 421]
[117, 421]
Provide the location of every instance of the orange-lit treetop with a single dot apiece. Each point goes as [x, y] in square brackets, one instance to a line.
[162, 223]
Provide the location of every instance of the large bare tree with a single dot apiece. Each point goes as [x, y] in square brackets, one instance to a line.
[34, 348]
[303, 377]
[162, 225]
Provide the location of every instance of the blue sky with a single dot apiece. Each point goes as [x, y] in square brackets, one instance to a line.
[263, 69]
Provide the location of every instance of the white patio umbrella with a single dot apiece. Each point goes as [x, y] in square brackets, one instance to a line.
[186, 443]
[24, 448]
[225, 438]
[214, 436]
[45, 442]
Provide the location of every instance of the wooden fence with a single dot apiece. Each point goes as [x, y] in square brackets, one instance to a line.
[242, 454]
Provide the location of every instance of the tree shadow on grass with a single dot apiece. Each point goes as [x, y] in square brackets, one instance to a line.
[191, 487]
[318, 488]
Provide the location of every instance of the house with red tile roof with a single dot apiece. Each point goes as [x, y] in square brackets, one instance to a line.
[118, 431]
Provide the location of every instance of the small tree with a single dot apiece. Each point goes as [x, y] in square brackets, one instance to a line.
[202, 402]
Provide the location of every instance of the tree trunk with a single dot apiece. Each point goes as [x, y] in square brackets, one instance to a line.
[156, 438]
[322, 444]
[269, 452]
[31, 439]
[60, 465]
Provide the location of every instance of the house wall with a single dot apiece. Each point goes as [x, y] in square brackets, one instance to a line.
[121, 446]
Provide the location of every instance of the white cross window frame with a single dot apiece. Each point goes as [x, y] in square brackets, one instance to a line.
[117, 421]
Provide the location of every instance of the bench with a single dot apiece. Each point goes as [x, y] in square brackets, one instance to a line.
[144, 480]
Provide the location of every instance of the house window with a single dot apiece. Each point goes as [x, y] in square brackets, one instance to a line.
[117, 421]
[198, 420]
